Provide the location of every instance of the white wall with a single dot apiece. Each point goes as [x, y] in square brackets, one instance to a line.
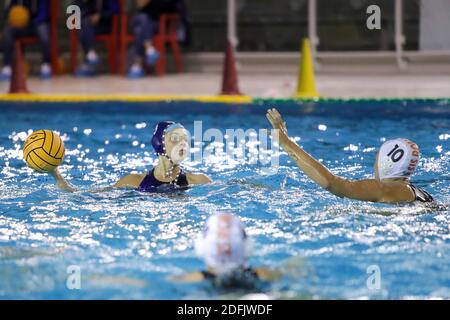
[434, 25]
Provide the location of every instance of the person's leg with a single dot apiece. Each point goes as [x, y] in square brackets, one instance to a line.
[140, 27]
[8, 45]
[87, 35]
[87, 40]
[143, 30]
[9, 37]
[43, 33]
[150, 52]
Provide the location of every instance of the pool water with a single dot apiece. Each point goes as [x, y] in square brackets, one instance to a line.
[125, 244]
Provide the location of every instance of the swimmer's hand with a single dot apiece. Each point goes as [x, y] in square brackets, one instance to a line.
[276, 121]
[61, 182]
[188, 277]
[310, 166]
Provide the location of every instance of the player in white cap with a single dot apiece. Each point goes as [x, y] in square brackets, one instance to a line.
[396, 161]
[225, 248]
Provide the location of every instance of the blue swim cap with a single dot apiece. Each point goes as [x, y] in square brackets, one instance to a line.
[161, 129]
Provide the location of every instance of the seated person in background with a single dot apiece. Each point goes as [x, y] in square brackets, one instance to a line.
[38, 25]
[145, 25]
[96, 18]
[225, 249]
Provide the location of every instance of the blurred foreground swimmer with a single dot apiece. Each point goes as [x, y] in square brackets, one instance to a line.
[171, 144]
[225, 248]
[395, 162]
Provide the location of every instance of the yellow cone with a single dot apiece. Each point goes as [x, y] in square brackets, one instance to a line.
[306, 87]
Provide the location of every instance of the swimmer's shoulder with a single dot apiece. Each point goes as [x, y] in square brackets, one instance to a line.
[196, 276]
[197, 178]
[188, 178]
[365, 190]
[130, 180]
[398, 192]
[387, 191]
[374, 190]
[421, 194]
[395, 191]
[267, 274]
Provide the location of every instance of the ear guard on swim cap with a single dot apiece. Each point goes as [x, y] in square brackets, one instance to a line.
[223, 243]
[161, 129]
[397, 158]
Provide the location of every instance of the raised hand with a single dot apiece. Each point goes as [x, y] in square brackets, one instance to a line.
[275, 119]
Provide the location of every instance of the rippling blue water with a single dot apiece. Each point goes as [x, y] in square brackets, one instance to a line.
[126, 243]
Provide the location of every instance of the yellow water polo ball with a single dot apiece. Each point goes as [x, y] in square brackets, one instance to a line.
[43, 150]
[18, 16]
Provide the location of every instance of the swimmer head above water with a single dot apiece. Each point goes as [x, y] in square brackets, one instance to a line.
[225, 248]
[397, 158]
[223, 244]
[396, 161]
[170, 141]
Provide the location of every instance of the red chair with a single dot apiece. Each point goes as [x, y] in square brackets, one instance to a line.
[168, 24]
[54, 53]
[167, 35]
[110, 40]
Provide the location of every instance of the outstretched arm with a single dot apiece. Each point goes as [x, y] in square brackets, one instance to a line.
[128, 181]
[368, 190]
[310, 166]
[61, 182]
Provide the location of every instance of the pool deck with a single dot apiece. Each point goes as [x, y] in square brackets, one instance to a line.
[264, 85]
[357, 75]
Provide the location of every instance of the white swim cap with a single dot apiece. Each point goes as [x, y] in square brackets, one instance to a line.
[223, 243]
[397, 158]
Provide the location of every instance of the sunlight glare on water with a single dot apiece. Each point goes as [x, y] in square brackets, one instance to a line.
[127, 243]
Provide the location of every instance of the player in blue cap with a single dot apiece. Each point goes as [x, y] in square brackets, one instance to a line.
[170, 141]
[171, 144]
